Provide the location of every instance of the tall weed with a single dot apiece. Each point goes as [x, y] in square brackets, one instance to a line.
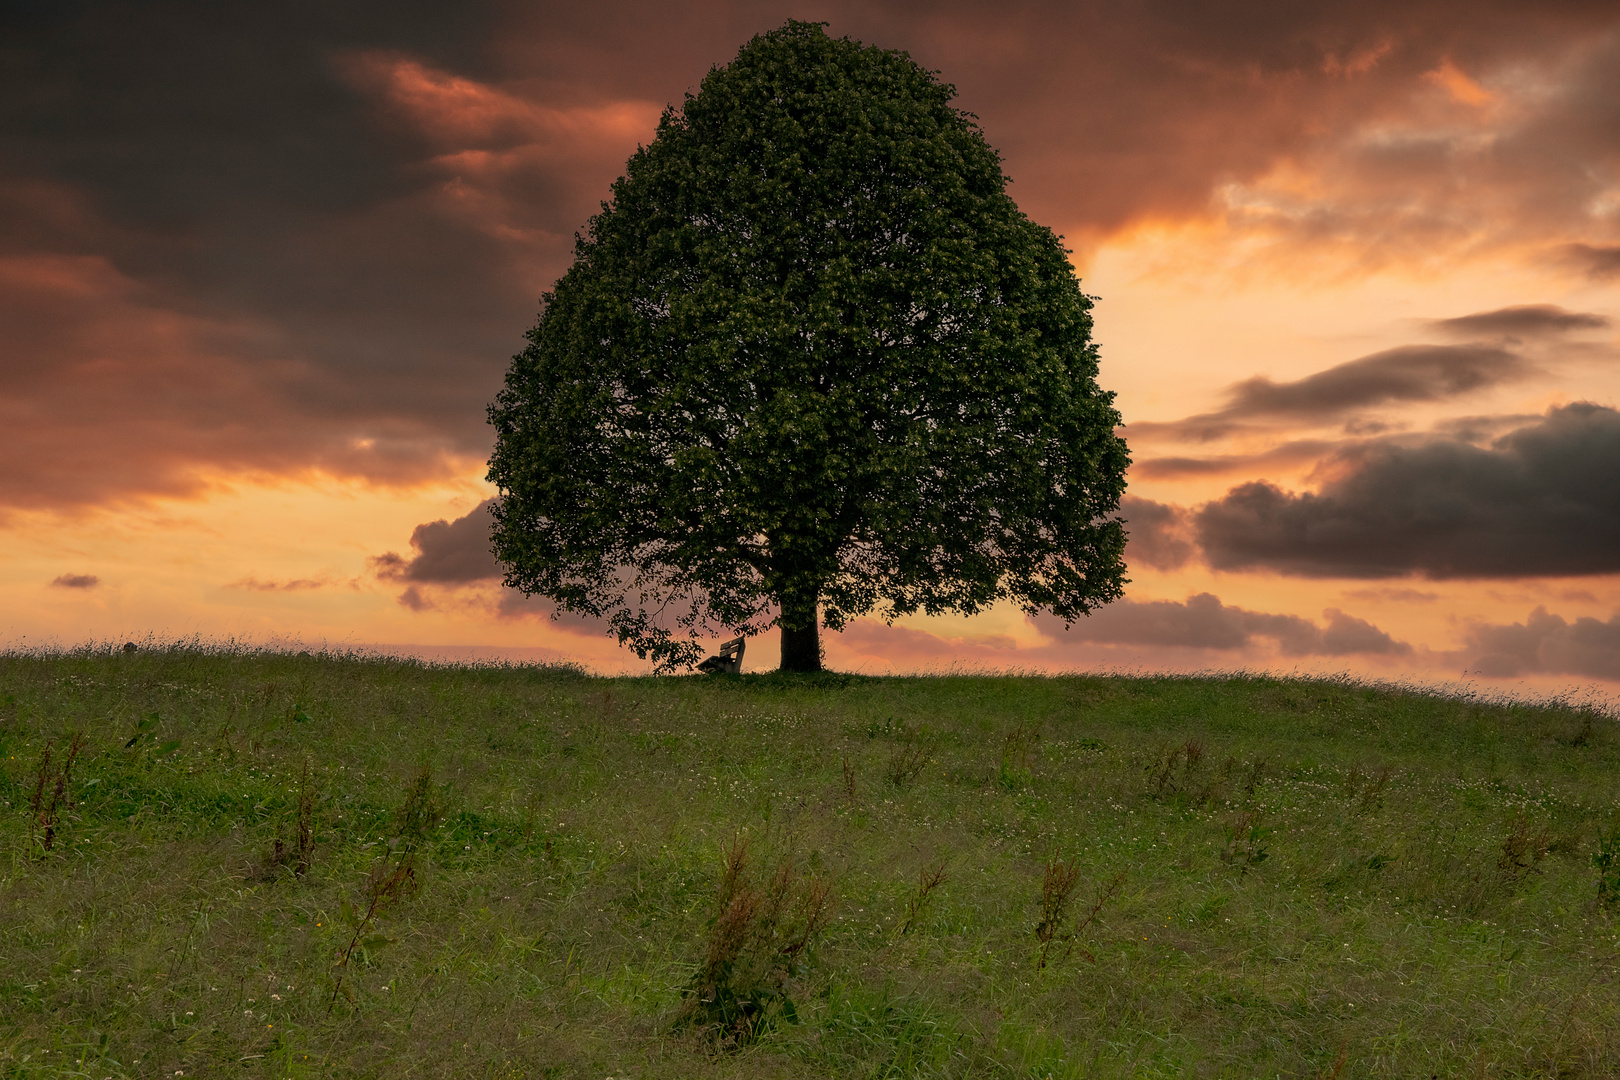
[1175, 768]
[760, 938]
[929, 878]
[1246, 840]
[296, 857]
[1057, 889]
[907, 761]
[392, 880]
[52, 792]
[1523, 847]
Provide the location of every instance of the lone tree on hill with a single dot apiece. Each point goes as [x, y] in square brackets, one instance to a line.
[811, 355]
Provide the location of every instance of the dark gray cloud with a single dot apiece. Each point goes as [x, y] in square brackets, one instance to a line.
[1543, 500]
[1521, 320]
[447, 553]
[1547, 643]
[1204, 622]
[1158, 533]
[76, 581]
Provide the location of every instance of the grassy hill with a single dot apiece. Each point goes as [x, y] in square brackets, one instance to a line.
[267, 865]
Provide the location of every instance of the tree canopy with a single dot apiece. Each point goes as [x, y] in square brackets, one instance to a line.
[809, 357]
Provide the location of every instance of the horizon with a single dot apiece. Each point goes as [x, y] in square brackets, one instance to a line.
[1535, 692]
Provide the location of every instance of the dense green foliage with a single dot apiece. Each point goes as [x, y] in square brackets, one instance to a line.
[1422, 885]
[810, 354]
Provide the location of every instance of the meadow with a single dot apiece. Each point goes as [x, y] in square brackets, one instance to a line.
[228, 862]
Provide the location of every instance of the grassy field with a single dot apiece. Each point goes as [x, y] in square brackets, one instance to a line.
[269, 865]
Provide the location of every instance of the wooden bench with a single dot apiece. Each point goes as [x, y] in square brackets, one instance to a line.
[729, 661]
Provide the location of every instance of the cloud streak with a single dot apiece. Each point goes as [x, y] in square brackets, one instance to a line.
[1291, 453]
[293, 585]
[1403, 375]
[1521, 320]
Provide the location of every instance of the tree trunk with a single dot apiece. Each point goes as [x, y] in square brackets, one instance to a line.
[801, 640]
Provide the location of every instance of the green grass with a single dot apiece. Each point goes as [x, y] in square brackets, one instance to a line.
[1338, 881]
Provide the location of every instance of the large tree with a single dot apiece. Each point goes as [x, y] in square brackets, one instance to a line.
[809, 356]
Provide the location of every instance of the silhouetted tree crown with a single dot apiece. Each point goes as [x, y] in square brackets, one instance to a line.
[809, 355]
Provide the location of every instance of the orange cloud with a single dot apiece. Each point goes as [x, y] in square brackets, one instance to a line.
[490, 144]
[1425, 181]
[462, 114]
[1459, 86]
[109, 393]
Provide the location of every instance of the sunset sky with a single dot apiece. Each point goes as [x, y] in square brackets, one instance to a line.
[1357, 269]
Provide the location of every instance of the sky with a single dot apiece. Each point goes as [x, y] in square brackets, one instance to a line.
[1357, 272]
